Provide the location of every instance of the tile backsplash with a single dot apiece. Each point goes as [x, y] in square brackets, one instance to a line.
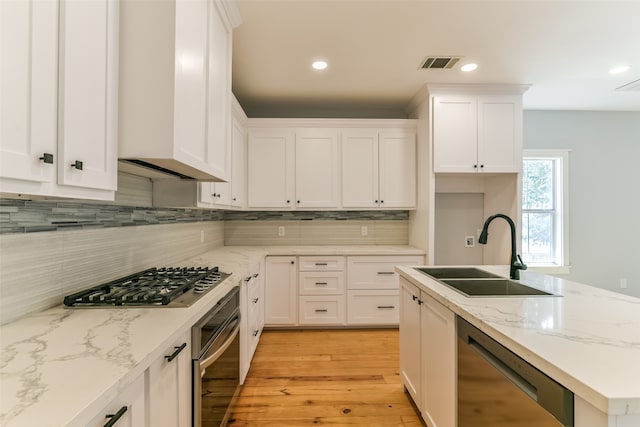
[49, 249]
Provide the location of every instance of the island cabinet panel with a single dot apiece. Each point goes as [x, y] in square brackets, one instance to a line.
[170, 379]
[428, 355]
[129, 406]
[410, 339]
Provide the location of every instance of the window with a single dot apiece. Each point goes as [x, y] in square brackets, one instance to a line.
[544, 208]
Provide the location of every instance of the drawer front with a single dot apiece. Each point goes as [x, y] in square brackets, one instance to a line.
[255, 330]
[322, 283]
[373, 308]
[321, 310]
[321, 263]
[377, 272]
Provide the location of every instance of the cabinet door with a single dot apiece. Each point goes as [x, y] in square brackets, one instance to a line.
[88, 90]
[191, 145]
[170, 386]
[281, 291]
[316, 164]
[360, 168]
[238, 167]
[438, 351]
[500, 133]
[410, 338]
[133, 399]
[219, 102]
[397, 169]
[455, 134]
[222, 193]
[270, 173]
[28, 83]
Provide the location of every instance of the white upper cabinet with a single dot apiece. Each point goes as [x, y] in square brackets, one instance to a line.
[59, 98]
[88, 115]
[378, 168]
[477, 133]
[176, 86]
[270, 169]
[316, 168]
[29, 37]
[238, 165]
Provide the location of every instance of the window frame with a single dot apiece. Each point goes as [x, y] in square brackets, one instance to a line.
[561, 182]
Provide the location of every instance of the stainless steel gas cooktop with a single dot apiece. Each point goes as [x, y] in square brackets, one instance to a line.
[155, 287]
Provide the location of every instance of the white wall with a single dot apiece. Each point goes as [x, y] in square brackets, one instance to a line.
[604, 190]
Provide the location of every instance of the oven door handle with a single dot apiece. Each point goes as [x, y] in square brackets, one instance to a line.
[209, 358]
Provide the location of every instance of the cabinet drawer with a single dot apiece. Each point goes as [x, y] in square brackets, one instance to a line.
[322, 283]
[373, 308]
[321, 263]
[322, 310]
[377, 272]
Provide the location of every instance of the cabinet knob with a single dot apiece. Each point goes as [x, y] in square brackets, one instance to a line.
[475, 166]
[255, 300]
[413, 297]
[481, 166]
[293, 262]
[288, 201]
[47, 158]
[234, 199]
[420, 302]
[375, 201]
[77, 164]
[298, 201]
[256, 332]
[381, 201]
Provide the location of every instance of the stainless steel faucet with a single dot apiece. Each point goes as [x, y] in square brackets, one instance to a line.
[516, 262]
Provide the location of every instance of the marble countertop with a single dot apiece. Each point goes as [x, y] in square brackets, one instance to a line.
[587, 339]
[63, 365]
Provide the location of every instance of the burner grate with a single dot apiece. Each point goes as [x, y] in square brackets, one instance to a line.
[151, 287]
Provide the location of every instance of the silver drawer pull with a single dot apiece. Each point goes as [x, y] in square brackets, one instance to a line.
[321, 263]
[321, 310]
[385, 272]
[386, 306]
[322, 283]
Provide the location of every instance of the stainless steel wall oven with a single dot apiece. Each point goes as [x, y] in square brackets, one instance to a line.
[216, 362]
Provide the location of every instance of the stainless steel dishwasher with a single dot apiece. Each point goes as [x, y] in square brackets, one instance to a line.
[497, 388]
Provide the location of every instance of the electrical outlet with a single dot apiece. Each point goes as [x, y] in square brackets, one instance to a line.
[623, 283]
[364, 230]
[469, 241]
[281, 230]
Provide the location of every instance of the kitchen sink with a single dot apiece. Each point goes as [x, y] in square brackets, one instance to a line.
[456, 273]
[493, 287]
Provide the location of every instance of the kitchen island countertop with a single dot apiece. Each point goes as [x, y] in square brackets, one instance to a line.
[61, 366]
[587, 338]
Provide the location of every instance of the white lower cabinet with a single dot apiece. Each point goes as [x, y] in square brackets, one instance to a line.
[252, 321]
[372, 307]
[322, 310]
[129, 406]
[281, 291]
[428, 355]
[169, 379]
[373, 288]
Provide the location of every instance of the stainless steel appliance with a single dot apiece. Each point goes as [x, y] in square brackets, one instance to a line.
[498, 388]
[216, 361]
[154, 287]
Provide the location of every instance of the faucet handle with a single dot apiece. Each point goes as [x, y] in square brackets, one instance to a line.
[522, 266]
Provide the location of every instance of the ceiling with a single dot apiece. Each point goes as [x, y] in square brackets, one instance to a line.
[563, 49]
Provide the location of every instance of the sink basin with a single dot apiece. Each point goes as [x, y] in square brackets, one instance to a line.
[456, 273]
[493, 287]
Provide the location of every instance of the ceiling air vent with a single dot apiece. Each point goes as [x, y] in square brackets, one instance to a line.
[634, 86]
[440, 62]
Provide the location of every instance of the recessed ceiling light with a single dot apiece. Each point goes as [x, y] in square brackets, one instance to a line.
[620, 69]
[469, 67]
[319, 65]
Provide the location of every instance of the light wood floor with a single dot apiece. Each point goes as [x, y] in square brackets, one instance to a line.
[328, 377]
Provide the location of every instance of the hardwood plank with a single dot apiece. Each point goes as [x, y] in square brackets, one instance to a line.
[328, 377]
